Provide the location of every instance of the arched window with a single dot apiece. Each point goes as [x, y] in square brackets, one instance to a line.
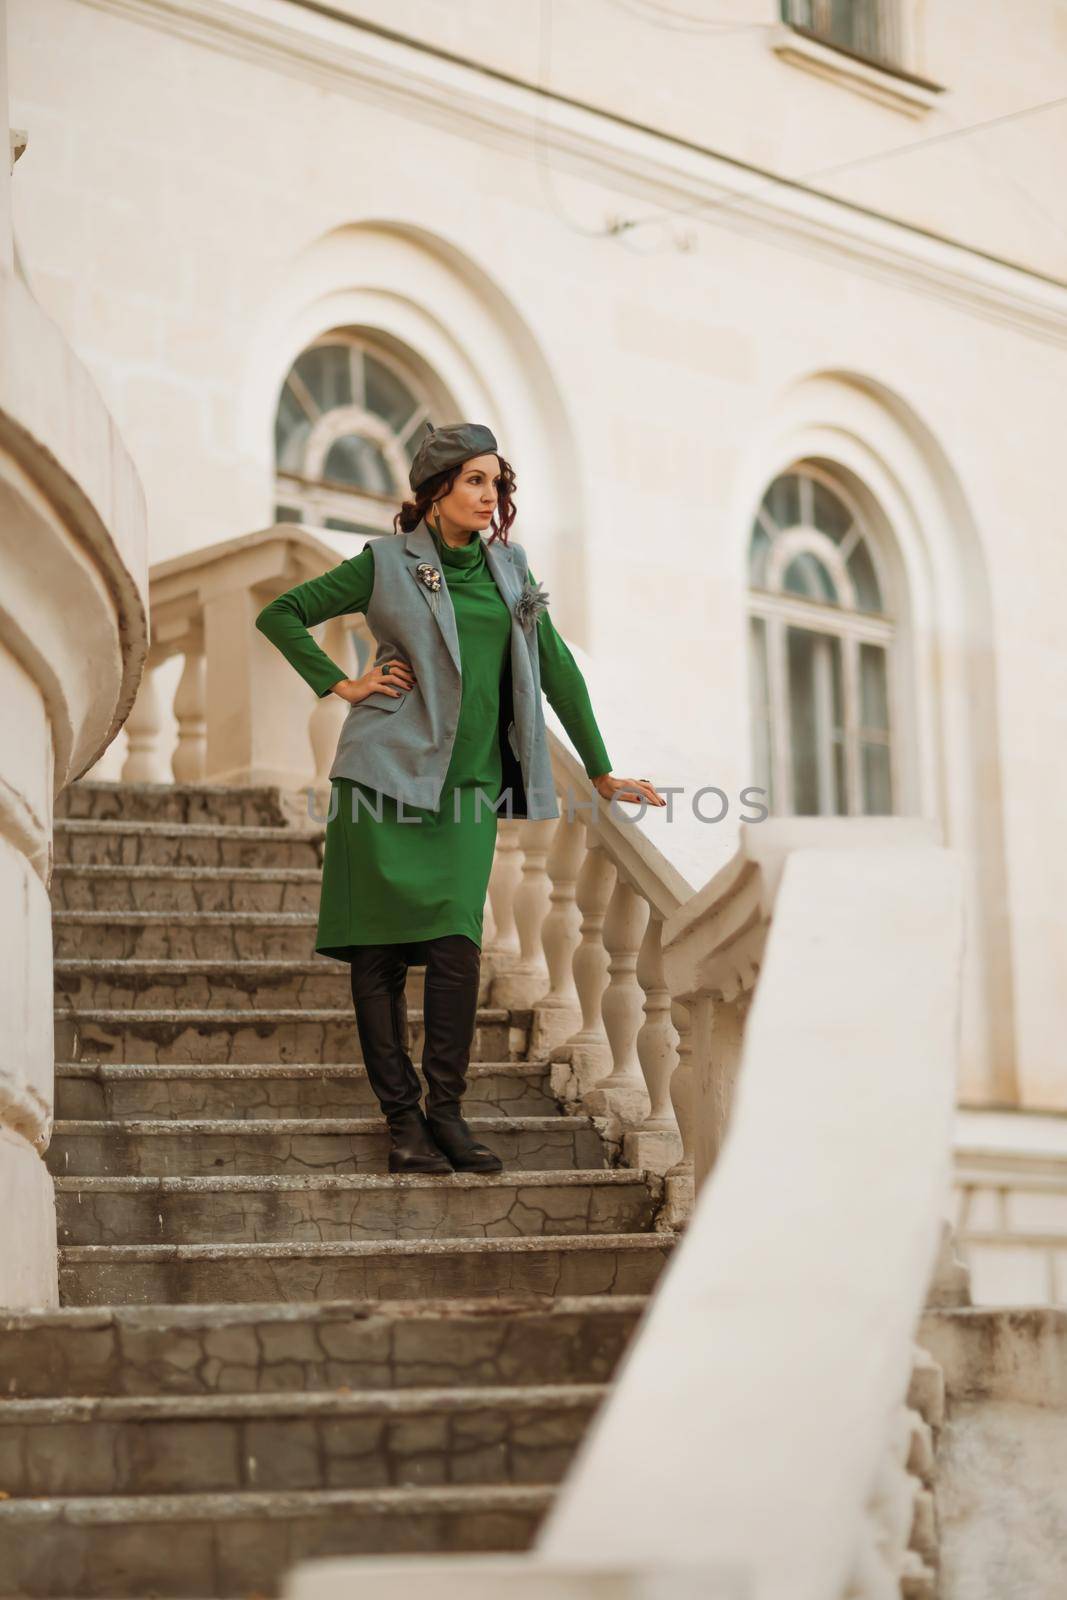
[820, 637]
[349, 421]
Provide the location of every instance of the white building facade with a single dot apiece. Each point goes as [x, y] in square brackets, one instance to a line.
[768, 312]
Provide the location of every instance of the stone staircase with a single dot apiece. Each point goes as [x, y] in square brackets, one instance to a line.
[268, 1348]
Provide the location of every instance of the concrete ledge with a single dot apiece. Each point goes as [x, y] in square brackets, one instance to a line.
[1003, 1354]
[28, 1258]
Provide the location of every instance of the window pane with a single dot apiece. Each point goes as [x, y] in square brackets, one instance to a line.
[874, 690]
[877, 785]
[760, 707]
[757, 557]
[861, 571]
[813, 664]
[339, 525]
[327, 375]
[286, 514]
[864, 26]
[341, 374]
[358, 463]
[386, 396]
[831, 516]
[291, 428]
[806, 575]
[782, 501]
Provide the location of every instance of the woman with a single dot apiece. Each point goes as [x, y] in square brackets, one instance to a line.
[464, 649]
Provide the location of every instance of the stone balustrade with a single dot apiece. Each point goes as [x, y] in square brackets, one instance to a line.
[242, 715]
[776, 1373]
[576, 905]
[784, 1060]
[639, 986]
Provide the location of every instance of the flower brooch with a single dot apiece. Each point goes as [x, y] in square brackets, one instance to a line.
[531, 602]
[432, 579]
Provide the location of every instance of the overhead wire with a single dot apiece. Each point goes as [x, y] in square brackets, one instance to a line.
[733, 200]
[684, 22]
[619, 228]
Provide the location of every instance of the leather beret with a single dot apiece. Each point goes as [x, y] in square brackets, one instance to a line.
[449, 447]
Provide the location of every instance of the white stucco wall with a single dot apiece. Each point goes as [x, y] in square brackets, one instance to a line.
[73, 639]
[198, 202]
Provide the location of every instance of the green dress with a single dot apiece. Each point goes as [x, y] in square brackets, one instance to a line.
[401, 881]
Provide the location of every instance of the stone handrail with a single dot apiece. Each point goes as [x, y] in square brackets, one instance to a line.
[242, 715]
[763, 1436]
[778, 1350]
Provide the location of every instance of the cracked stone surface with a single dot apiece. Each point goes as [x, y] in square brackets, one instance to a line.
[194, 1350]
[261, 806]
[95, 842]
[196, 985]
[186, 935]
[228, 1443]
[117, 1092]
[226, 1545]
[247, 1148]
[160, 888]
[370, 1270]
[269, 1348]
[315, 1210]
[214, 1035]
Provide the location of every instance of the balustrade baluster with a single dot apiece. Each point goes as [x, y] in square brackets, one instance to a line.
[656, 1144]
[622, 1093]
[190, 753]
[679, 1186]
[586, 1055]
[144, 760]
[504, 881]
[522, 979]
[558, 1010]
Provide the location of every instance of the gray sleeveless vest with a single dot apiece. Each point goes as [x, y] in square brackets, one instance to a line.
[402, 744]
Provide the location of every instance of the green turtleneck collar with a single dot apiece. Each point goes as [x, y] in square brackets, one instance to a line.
[457, 555]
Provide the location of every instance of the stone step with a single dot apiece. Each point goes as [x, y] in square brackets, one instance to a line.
[91, 842]
[187, 1547]
[310, 1209]
[255, 985]
[258, 806]
[91, 1089]
[370, 1270]
[228, 1444]
[215, 1035]
[265, 1349]
[254, 1148]
[185, 935]
[88, 888]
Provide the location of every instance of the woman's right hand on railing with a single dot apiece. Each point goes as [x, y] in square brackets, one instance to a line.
[390, 677]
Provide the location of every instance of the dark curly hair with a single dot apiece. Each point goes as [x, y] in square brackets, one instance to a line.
[412, 512]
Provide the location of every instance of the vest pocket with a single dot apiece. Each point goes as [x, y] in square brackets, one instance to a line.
[382, 701]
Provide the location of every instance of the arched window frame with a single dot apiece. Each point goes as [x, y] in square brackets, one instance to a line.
[308, 496]
[778, 610]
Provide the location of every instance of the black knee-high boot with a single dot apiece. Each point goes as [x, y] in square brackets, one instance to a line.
[378, 976]
[453, 969]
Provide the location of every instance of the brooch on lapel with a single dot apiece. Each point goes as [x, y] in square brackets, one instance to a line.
[531, 602]
[432, 579]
